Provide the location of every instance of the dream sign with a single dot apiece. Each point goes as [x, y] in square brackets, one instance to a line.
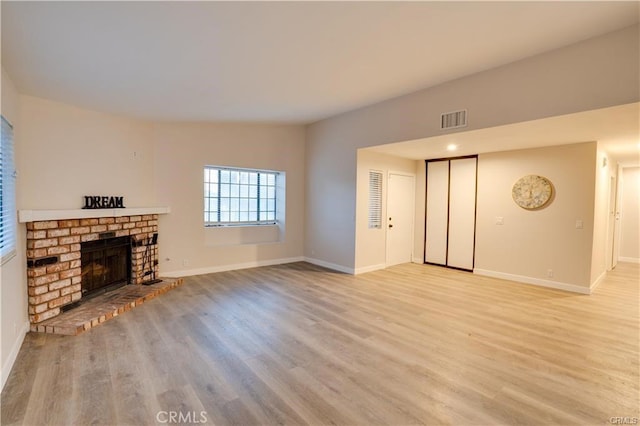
[103, 202]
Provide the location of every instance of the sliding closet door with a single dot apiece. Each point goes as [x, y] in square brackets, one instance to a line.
[437, 212]
[462, 213]
[450, 223]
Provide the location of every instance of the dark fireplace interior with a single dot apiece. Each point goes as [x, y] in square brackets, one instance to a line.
[106, 265]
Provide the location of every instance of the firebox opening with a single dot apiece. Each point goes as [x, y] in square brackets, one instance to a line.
[106, 265]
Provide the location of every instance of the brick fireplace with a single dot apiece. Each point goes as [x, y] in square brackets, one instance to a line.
[54, 261]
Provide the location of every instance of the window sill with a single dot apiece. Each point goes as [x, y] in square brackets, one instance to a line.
[240, 225]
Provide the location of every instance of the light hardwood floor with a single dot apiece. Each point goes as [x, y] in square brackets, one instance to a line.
[298, 344]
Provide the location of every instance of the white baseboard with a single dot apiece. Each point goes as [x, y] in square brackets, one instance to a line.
[629, 259]
[535, 281]
[330, 265]
[13, 355]
[370, 268]
[232, 267]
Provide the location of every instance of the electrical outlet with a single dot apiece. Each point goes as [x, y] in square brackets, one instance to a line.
[579, 224]
[549, 273]
[499, 220]
[185, 262]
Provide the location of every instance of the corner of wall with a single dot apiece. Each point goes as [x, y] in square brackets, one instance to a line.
[329, 265]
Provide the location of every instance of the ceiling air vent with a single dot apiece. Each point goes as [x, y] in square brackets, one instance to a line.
[452, 120]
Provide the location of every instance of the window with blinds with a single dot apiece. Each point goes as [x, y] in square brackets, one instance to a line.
[375, 199]
[239, 196]
[7, 194]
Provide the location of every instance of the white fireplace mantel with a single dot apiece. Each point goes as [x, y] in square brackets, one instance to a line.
[40, 215]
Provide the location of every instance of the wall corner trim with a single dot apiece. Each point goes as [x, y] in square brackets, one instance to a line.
[13, 355]
[369, 268]
[534, 281]
[334, 266]
[597, 282]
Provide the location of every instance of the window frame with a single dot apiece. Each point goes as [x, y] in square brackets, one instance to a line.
[236, 193]
[8, 219]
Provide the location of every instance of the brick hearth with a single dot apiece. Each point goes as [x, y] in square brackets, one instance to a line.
[54, 270]
[104, 307]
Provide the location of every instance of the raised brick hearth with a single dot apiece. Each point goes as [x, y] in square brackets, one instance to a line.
[54, 269]
[104, 307]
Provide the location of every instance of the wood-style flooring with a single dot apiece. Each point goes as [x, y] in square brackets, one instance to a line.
[298, 344]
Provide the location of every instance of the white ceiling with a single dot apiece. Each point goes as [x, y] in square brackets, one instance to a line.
[299, 62]
[290, 62]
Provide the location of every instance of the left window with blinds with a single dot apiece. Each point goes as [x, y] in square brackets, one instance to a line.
[7, 194]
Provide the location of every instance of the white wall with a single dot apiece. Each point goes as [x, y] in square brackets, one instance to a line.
[181, 152]
[593, 74]
[67, 152]
[371, 243]
[13, 282]
[630, 215]
[529, 243]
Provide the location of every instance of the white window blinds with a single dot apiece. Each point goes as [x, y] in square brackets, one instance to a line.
[375, 199]
[7, 194]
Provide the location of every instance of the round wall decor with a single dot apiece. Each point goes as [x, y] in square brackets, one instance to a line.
[532, 192]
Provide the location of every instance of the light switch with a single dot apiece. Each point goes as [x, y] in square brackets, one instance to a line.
[579, 224]
[499, 220]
